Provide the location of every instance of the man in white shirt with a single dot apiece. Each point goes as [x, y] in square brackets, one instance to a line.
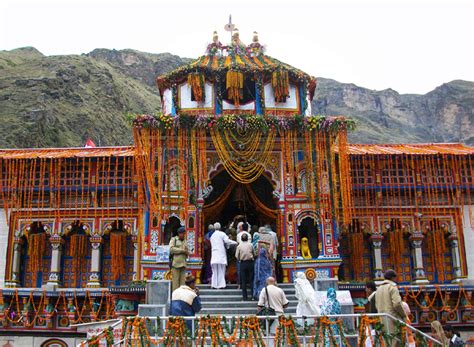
[276, 300]
[219, 242]
[241, 230]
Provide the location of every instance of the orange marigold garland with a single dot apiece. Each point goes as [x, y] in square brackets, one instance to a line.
[356, 245]
[280, 84]
[78, 251]
[36, 248]
[118, 248]
[396, 244]
[234, 86]
[197, 83]
[438, 245]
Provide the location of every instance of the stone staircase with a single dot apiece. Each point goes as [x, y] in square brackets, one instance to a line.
[229, 301]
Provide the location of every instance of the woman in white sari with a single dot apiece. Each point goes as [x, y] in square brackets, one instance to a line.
[305, 294]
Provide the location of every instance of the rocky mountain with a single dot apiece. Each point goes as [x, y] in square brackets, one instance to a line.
[60, 101]
[445, 114]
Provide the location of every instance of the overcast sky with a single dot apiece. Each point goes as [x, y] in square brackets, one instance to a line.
[409, 46]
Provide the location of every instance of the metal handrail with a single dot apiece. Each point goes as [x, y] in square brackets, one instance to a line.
[269, 337]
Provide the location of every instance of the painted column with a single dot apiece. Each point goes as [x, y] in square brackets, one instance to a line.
[4, 229]
[55, 270]
[453, 238]
[468, 236]
[416, 240]
[376, 239]
[94, 277]
[15, 278]
[136, 260]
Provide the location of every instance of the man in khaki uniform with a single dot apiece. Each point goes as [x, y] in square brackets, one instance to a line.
[179, 250]
[388, 300]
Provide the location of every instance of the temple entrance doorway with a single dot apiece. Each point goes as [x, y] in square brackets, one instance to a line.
[229, 199]
[254, 201]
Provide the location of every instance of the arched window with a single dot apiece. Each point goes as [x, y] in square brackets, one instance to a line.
[117, 251]
[248, 91]
[76, 262]
[308, 229]
[35, 256]
[170, 230]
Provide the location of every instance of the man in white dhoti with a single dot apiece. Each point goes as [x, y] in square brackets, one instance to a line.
[305, 294]
[219, 242]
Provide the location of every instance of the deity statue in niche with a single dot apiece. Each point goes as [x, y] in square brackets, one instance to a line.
[308, 236]
[304, 248]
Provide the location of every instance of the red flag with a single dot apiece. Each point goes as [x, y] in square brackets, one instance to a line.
[89, 143]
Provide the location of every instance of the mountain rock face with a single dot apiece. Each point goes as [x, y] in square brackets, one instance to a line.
[60, 101]
[445, 114]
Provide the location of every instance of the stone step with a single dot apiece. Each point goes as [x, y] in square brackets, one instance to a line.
[225, 292]
[237, 311]
[211, 298]
[226, 304]
[234, 286]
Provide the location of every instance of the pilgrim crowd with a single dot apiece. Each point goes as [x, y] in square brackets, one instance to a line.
[255, 252]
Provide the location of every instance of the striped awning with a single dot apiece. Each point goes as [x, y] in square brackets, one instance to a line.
[415, 149]
[218, 64]
[52, 153]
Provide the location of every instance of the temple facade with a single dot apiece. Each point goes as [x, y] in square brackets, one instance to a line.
[83, 227]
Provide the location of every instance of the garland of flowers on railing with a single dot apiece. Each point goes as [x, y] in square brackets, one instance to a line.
[324, 332]
[366, 326]
[286, 332]
[243, 122]
[45, 309]
[431, 303]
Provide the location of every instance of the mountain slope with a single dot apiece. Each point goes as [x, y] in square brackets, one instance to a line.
[60, 101]
[446, 114]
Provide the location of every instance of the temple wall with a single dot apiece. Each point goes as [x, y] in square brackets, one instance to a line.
[3, 245]
[28, 341]
[468, 232]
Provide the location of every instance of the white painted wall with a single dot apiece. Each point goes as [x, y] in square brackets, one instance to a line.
[167, 102]
[187, 103]
[3, 245]
[290, 104]
[468, 233]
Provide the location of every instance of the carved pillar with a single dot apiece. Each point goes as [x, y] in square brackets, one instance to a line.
[55, 270]
[416, 240]
[94, 277]
[15, 274]
[457, 273]
[376, 239]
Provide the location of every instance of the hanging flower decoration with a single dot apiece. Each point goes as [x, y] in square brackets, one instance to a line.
[36, 248]
[280, 85]
[244, 122]
[118, 247]
[197, 83]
